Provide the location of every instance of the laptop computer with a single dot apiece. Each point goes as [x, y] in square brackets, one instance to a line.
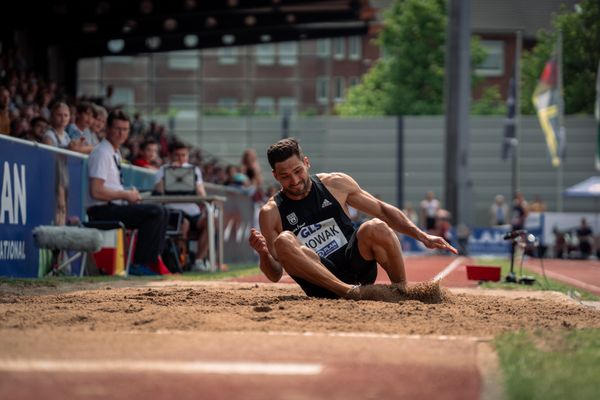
[180, 180]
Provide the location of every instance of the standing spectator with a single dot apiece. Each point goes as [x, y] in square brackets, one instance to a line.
[194, 218]
[148, 155]
[112, 202]
[411, 213]
[429, 208]
[499, 211]
[519, 212]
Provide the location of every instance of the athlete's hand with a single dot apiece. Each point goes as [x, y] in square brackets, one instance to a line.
[437, 242]
[258, 242]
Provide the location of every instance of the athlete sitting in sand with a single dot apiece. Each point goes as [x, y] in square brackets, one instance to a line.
[305, 230]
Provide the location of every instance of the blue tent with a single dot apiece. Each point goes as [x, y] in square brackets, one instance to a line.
[588, 188]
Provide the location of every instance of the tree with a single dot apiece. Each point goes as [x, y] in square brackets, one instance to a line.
[581, 52]
[409, 78]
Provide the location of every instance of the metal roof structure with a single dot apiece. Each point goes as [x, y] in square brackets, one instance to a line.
[94, 28]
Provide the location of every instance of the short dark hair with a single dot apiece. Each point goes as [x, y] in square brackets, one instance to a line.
[147, 143]
[35, 120]
[176, 145]
[83, 107]
[282, 150]
[116, 115]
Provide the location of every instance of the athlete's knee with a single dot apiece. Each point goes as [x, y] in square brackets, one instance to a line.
[285, 242]
[375, 229]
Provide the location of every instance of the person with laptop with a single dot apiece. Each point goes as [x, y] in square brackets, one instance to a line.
[112, 202]
[179, 177]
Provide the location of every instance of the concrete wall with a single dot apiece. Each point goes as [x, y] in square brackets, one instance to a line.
[367, 149]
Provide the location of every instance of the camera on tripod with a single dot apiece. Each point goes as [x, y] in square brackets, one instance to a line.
[520, 239]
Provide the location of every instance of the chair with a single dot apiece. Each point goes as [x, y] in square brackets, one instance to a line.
[129, 237]
[171, 254]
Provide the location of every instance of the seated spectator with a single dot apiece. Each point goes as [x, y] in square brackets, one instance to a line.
[4, 111]
[251, 168]
[84, 117]
[39, 125]
[148, 155]
[112, 202]
[98, 125]
[56, 135]
[537, 205]
[194, 217]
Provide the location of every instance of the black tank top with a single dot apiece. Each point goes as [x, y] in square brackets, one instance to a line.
[317, 220]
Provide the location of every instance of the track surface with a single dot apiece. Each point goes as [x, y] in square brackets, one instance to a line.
[39, 357]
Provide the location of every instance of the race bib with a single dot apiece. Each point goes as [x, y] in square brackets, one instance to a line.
[324, 237]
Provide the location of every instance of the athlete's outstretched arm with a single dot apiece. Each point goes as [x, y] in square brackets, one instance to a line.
[395, 218]
[263, 242]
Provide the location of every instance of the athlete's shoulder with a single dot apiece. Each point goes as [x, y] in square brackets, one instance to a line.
[269, 207]
[337, 180]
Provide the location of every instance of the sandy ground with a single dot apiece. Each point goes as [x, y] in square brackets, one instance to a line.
[223, 306]
[139, 340]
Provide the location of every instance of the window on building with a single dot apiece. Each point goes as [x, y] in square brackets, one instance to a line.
[355, 47]
[354, 80]
[264, 105]
[323, 48]
[123, 95]
[288, 53]
[183, 60]
[265, 54]
[493, 65]
[228, 55]
[228, 103]
[287, 105]
[338, 88]
[339, 48]
[322, 89]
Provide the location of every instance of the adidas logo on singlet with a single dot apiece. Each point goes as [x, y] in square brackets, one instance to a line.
[326, 203]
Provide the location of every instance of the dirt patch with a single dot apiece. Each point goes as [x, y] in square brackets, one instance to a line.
[200, 306]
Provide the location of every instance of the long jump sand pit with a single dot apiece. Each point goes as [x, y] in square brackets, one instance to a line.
[223, 306]
[225, 340]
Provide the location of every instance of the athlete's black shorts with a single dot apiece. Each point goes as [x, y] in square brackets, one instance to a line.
[352, 269]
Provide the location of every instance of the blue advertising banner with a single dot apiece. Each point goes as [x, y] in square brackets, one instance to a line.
[39, 187]
[42, 185]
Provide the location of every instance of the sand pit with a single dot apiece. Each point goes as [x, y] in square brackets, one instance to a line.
[201, 306]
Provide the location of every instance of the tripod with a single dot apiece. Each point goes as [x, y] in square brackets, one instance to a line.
[519, 238]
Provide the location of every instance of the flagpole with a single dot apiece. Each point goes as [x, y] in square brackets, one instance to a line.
[559, 170]
[515, 154]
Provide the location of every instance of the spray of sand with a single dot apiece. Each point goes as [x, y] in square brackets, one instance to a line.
[428, 292]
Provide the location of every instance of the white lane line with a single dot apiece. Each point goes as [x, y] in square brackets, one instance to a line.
[567, 279]
[192, 367]
[373, 335]
[449, 268]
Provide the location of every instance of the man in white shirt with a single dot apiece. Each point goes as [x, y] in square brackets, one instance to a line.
[114, 203]
[194, 219]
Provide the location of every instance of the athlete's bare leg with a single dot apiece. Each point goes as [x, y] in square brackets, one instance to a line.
[300, 261]
[377, 241]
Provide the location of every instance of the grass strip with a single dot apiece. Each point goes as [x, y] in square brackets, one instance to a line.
[550, 365]
[540, 282]
[234, 271]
